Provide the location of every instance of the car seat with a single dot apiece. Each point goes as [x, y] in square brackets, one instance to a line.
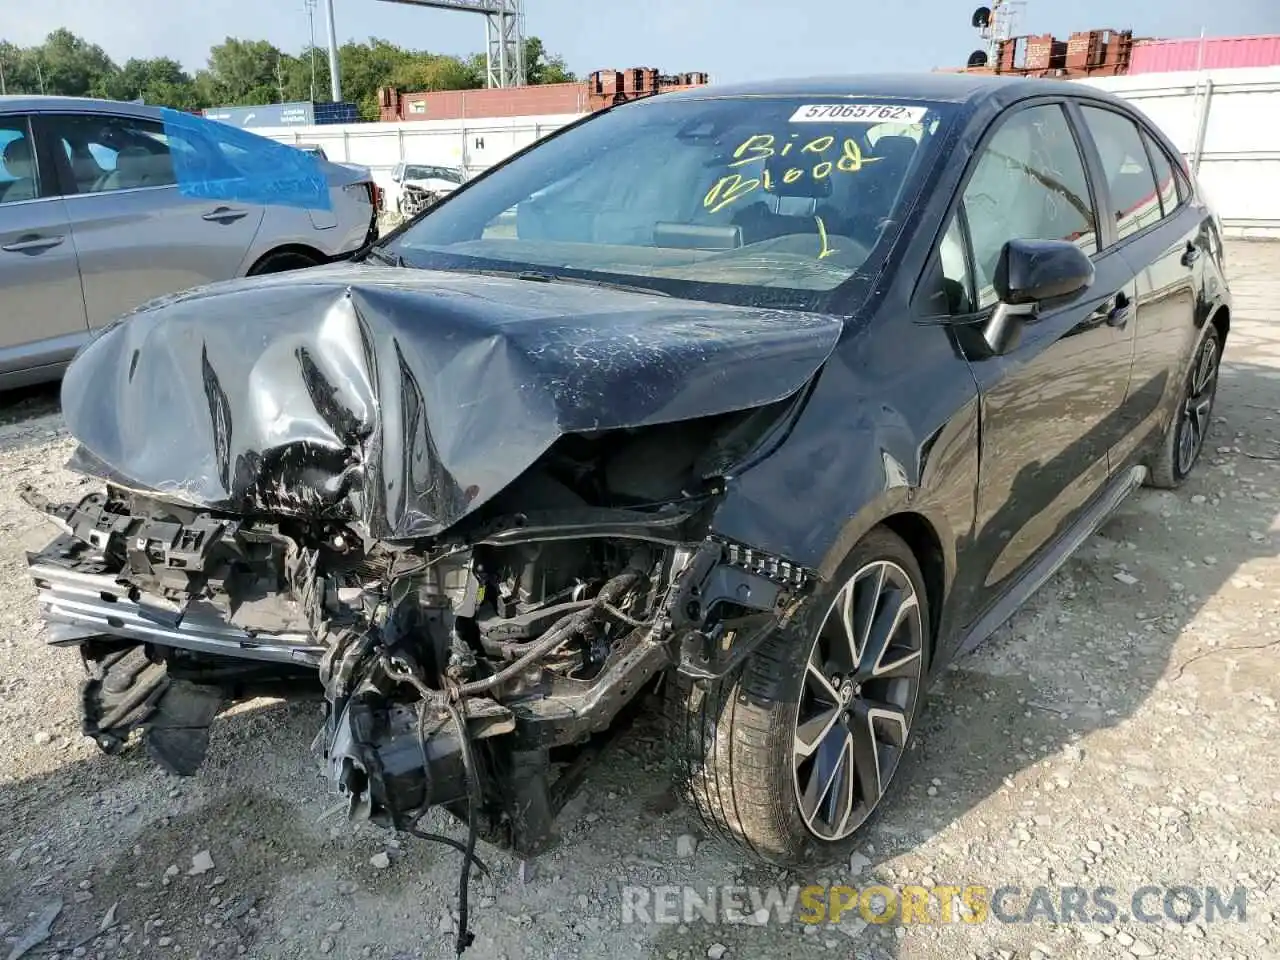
[138, 167]
[18, 164]
[85, 171]
[875, 187]
[769, 219]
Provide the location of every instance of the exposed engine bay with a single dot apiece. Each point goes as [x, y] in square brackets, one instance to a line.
[414, 199]
[472, 517]
[471, 673]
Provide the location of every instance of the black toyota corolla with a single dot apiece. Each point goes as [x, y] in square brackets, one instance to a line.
[771, 397]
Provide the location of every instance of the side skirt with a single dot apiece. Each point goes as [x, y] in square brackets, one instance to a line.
[1058, 554]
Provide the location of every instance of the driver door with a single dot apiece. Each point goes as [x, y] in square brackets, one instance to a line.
[1051, 406]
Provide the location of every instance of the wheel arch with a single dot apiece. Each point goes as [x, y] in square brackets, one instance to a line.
[1221, 319]
[925, 544]
[924, 533]
[300, 249]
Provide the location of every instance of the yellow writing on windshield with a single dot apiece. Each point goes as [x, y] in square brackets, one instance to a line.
[813, 158]
[826, 250]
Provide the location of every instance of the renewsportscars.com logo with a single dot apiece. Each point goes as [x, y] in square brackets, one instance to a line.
[970, 903]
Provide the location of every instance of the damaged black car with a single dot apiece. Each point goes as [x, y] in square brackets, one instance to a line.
[772, 398]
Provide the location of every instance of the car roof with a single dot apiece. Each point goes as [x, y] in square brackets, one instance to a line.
[942, 87]
[25, 103]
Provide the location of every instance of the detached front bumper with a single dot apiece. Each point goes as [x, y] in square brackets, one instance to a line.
[79, 601]
[83, 595]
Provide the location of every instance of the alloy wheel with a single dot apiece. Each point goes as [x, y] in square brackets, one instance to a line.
[1198, 406]
[861, 685]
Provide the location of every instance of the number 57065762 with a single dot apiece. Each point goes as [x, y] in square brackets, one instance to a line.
[858, 113]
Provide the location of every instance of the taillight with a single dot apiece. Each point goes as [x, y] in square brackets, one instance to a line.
[366, 190]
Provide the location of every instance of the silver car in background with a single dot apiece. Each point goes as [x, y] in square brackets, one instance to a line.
[93, 223]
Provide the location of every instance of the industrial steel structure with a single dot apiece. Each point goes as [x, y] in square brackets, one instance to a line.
[504, 35]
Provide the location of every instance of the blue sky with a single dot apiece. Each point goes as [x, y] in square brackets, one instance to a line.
[731, 39]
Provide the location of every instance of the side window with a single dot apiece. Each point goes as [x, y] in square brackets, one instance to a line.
[1134, 200]
[947, 290]
[18, 178]
[1166, 182]
[1029, 184]
[114, 153]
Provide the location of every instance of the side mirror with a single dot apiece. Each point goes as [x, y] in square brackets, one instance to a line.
[1029, 274]
[1033, 271]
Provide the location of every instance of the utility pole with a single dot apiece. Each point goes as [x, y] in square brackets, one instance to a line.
[40, 76]
[280, 79]
[335, 72]
[311, 26]
[3, 91]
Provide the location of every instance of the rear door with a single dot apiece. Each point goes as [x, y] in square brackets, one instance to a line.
[1160, 235]
[42, 317]
[136, 234]
[1051, 404]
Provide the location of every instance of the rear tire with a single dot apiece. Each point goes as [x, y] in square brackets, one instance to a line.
[283, 261]
[809, 708]
[1189, 427]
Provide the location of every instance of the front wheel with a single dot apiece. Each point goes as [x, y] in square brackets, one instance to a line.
[1189, 427]
[793, 753]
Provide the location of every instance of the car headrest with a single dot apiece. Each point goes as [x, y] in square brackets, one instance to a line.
[138, 167]
[895, 149]
[803, 186]
[17, 159]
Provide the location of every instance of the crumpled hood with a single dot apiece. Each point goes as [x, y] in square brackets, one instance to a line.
[404, 399]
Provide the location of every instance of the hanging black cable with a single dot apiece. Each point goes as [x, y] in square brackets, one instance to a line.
[457, 710]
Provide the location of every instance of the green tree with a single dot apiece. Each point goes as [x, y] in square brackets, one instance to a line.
[70, 66]
[160, 81]
[542, 67]
[241, 72]
[427, 71]
[14, 69]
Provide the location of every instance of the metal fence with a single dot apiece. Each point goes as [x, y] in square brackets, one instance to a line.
[1227, 124]
[1224, 121]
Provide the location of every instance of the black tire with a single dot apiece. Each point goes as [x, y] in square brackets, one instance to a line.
[737, 740]
[282, 261]
[1174, 463]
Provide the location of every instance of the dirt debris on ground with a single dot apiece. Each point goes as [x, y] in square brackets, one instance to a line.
[1121, 731]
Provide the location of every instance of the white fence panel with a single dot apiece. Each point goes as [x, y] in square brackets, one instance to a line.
[1224, 122]
[474, 144]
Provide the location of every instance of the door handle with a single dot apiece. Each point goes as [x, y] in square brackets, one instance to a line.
[1190, 255]
[1118, 315]
[224, 215]
[32, 243]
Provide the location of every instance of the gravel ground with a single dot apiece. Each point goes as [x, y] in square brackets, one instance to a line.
[1122, 730]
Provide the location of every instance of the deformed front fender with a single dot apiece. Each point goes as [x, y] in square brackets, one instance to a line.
[879, 438]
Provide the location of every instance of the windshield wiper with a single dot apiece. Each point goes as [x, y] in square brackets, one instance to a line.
[537, 276]
[383, 255]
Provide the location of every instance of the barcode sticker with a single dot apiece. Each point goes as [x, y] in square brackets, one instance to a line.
[858, 113]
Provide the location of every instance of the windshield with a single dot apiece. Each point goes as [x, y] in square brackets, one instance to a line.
[432, 173]
[736, 200]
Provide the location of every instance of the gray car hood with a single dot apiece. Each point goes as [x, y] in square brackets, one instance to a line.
[405, 399]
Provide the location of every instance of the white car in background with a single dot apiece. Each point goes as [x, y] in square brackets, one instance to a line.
[317, 151]
[418, 185]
